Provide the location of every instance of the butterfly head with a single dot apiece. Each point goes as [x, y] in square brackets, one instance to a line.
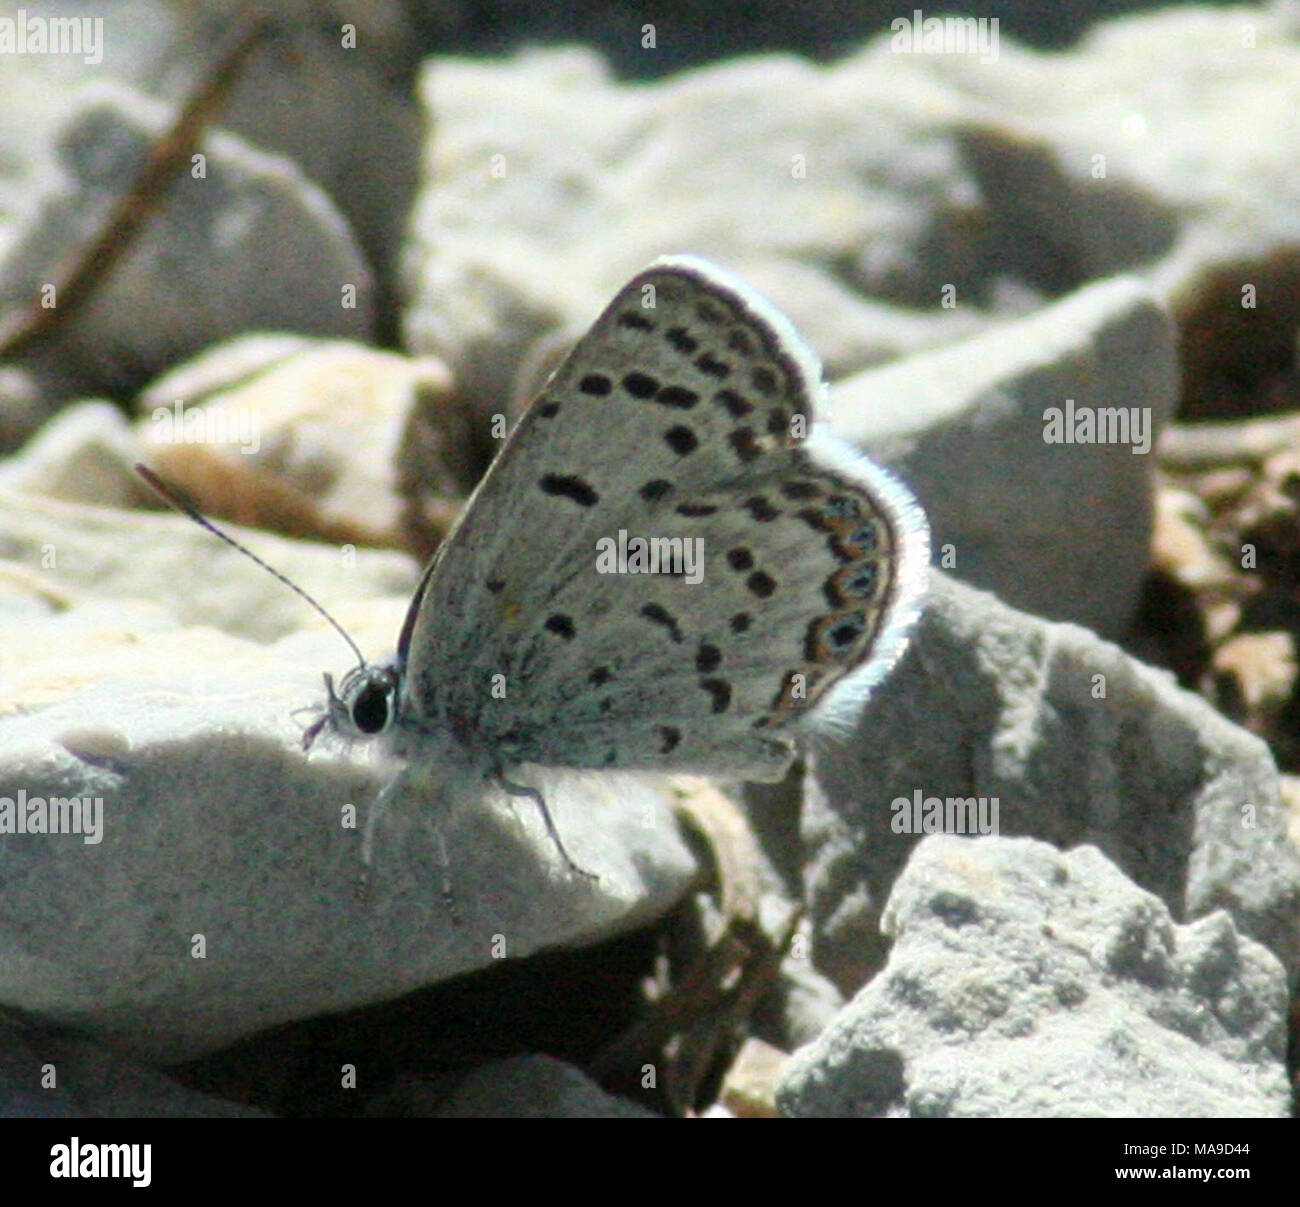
[365, 705]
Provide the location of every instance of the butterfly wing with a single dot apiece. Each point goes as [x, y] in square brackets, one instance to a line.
[783, 559]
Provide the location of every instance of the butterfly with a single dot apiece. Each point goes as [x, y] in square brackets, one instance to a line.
[685, 419]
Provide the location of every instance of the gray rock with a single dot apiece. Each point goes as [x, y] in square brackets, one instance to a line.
[252, 244]
[358, 139]
[802, 1002]
[1215, 211]
[1059, 529]
[48, 1075]
[36, 98]
[235, 362]
[880, 228]
[91, 554]
[546, 229]
[990, 188]
[82, 455]
[23, 406]
[1077, 743]
[224, 877]
[1027, 982]
[535, 1087]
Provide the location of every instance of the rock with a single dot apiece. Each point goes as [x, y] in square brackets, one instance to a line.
[1263, 669]
[1181, 547]
[881, 228]
[83, 455]
[1077, 743]
[517, 238]
[327, 440]
[976, 427]
[748, 1090]
[23, 407]
[222, 860]
[359, 138]
[250, 244]
[48, 1075]
[1027, 982]
[535, 1087]
[802, 1002]
[1230, 200]
[90, 555]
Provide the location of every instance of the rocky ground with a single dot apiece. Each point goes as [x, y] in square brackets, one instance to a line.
[350, 266]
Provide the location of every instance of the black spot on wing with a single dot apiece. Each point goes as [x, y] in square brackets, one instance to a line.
[720, 690]
[739, 341]
[736, 405]
[569, 486]
[681, 440]
[681, 340]
[745, 443]
[640, 385]
[707, 658]
[561, 626]
[711, 366]
[677, 396]
[662, 616]
[764, 380]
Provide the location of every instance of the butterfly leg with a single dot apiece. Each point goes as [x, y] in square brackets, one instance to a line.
[373, 815]
[536, 797]
[377, 810]
[448, 895]
[394, 789]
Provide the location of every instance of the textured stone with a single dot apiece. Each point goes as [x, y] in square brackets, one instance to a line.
[1027, 982]
[1078, 743]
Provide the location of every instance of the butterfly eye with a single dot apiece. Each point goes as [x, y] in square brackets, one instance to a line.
[372, 708]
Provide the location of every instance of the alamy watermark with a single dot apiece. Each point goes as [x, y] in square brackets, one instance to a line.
[26, 34]
[920, 814]
[1098, 425]
[681, 556]
[180, 424]
[96, 1159]
[82, 815]
[919, 34]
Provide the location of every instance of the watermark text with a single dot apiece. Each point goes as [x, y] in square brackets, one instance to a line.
[26, 34]
[919, 814]
[82, 815]
[679, 556]
[919, 34]
[1098, 425]
[180, 424]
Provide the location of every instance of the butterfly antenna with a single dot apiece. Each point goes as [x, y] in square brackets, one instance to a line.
[169, 496]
